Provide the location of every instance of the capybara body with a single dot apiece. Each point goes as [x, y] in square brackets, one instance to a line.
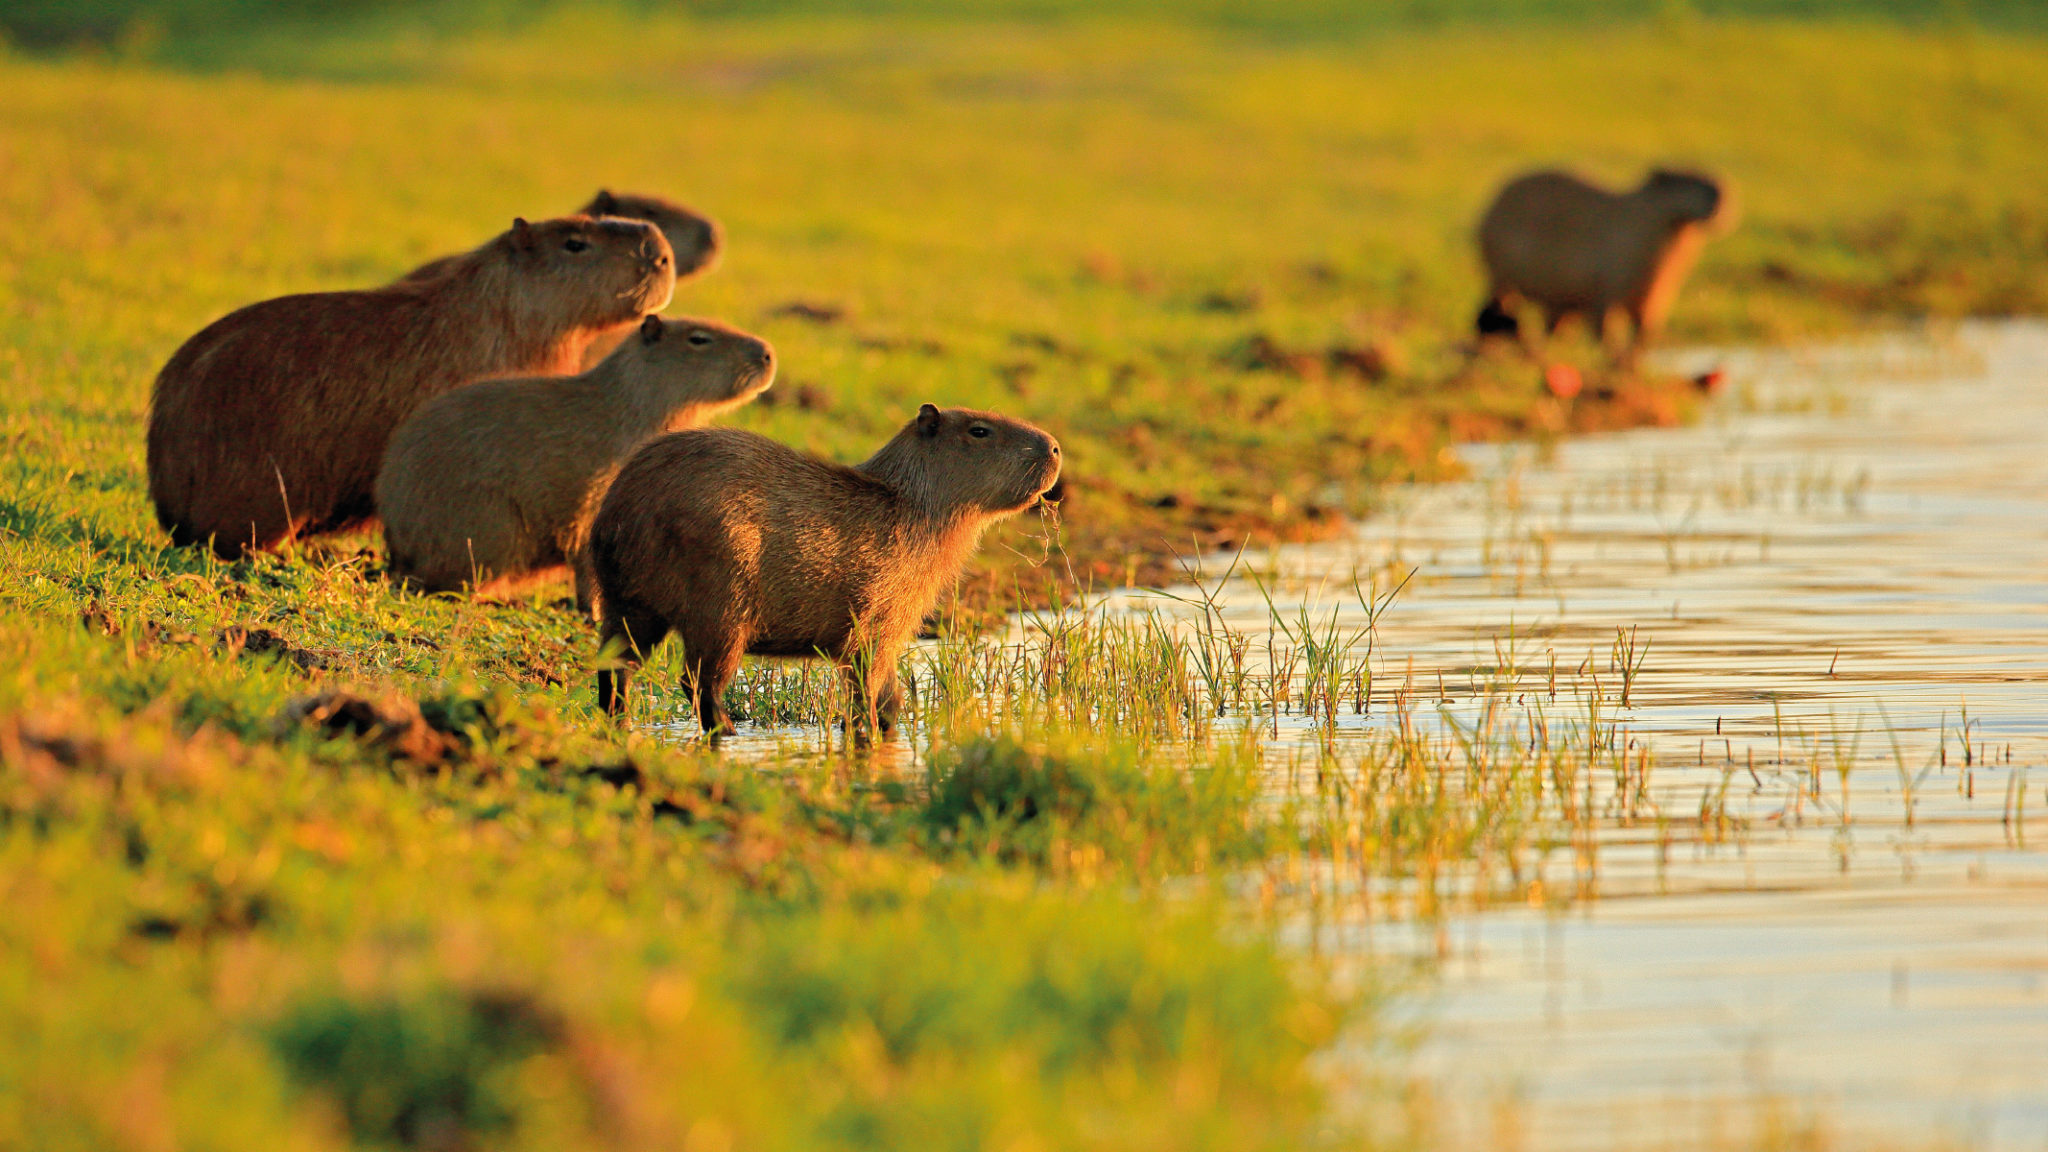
[492, 486]
[1572, 249]
[271, 422]
[740, 545]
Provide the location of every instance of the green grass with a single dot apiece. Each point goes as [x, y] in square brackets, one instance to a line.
[462, 909]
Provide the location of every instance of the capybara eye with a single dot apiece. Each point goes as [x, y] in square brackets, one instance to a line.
[700, 338]
[575, 244]
[978, 431]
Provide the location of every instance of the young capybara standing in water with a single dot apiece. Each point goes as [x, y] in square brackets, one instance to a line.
[695, 240]
[741, 545]
[1572, 249]
[270, 423]
[493, 485]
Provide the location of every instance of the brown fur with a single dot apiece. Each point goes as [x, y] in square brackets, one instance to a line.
[493, 486]
[270, 423]
[1572, 249]
[695, 239]
[741, 545]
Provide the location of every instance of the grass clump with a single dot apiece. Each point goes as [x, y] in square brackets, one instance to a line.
[430, 1073]
[1090, 807]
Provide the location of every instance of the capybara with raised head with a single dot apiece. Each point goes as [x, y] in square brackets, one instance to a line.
[741, 545]
[493, 486]
[694, 239]
[1571, 249]
[270, 423]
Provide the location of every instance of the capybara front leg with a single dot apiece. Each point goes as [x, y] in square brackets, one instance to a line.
[888, 701]
[1621, 336]
[871, 676]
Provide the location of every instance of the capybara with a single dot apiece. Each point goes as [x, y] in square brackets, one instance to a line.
[270, 423]
[1571, 249]
[739, 544]
[694, 239]
[493, 485]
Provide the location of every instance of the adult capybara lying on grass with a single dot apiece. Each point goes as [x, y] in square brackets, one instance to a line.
[739, 544]
[1572, 249]
[270, 423]
[694, 239]
[493, 486]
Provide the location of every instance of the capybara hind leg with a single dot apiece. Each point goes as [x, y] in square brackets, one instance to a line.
[233, 536]
[1495, 320]
[713, 662]
[611, 690]
[632, 637]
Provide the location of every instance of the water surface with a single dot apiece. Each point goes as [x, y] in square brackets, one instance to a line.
[1844, 569]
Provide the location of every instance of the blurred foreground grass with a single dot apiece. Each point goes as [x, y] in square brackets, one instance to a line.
[464, 915]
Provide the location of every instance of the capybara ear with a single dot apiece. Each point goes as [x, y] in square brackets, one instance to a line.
[606, 204]
[928, 420]
[522, 234]
[651, 329]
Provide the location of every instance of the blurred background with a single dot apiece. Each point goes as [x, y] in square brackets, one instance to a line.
[1083, 213]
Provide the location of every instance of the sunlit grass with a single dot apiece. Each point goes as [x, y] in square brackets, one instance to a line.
[450, 904]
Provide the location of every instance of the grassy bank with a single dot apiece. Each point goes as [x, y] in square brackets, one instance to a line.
[451, 910]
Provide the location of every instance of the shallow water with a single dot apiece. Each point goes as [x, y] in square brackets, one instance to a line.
[1843, 570]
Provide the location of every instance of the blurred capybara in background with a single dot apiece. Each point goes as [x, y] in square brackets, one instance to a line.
[270, 423]
[694, 239]
[1571, 249]
[741, 545]
[493, 485]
